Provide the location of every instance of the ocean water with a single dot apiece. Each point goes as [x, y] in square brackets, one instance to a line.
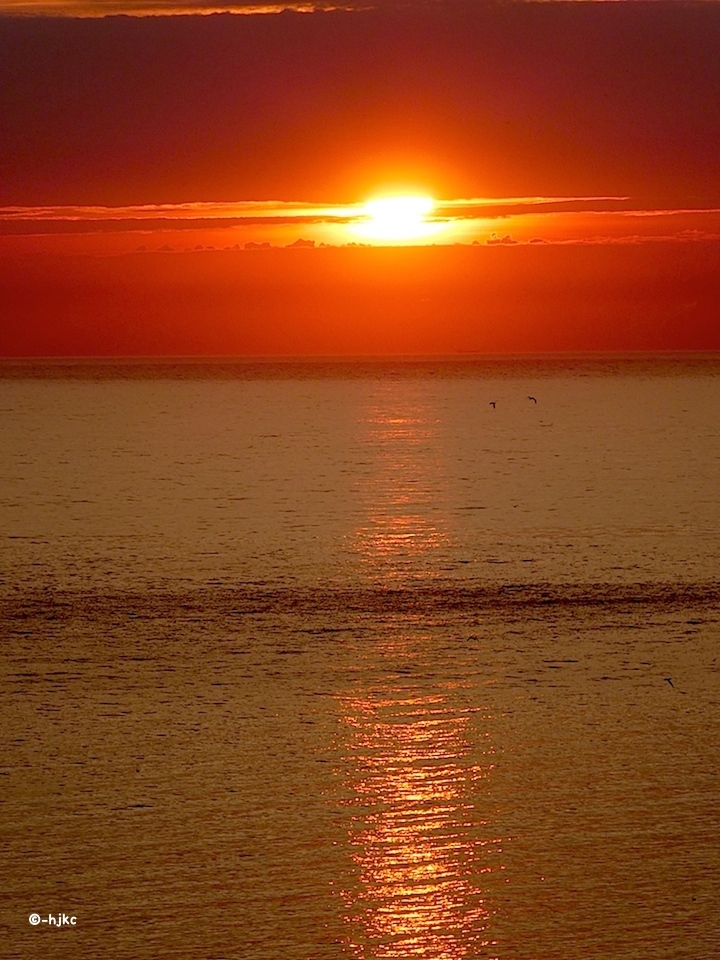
[305, 661]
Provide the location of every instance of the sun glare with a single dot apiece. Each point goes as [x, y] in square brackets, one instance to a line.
[397, 219]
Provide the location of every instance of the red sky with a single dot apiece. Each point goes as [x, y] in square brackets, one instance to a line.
[572, 149]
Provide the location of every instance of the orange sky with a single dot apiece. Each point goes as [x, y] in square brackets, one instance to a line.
[145, 159]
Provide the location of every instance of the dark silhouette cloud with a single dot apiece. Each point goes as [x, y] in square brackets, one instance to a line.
[495, 239]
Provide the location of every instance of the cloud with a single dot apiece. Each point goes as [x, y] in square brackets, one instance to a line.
[84, 9]
[683, 236]
[505, 206]
[256, 212]
[595, 220]
[17, 220]
[276, 221]
[247, 210]
[495, 239]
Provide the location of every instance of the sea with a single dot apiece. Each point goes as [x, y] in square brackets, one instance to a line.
[376, 660]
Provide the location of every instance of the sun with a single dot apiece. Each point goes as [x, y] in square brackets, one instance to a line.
[397, 219]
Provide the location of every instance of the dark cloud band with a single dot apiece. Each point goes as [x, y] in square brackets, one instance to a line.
[169, 8]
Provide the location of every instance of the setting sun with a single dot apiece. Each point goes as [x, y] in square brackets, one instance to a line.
[397, 218]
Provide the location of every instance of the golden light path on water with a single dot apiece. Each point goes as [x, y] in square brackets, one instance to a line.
[416, 755]
[421, 843]
[404, 526]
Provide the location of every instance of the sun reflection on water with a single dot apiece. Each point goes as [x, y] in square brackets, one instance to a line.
[404, 528]
[416, 758]
[420, 831]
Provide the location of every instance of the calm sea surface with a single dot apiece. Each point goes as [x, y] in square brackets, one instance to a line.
[368, 661]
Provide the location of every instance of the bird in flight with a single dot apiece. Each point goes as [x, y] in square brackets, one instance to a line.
[668, 680]
[492, 404]
[533, 399]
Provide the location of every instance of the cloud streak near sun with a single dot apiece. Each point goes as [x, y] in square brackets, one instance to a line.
[599, 219]
[280, 211]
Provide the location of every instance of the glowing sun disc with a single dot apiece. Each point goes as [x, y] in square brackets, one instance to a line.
[397, 218]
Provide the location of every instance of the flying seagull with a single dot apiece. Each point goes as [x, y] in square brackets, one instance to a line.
[670, 682]
[533, 399]
[492, 404]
